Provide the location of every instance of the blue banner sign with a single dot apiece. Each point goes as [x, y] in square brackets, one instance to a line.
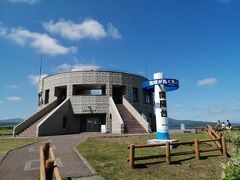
[169, 84]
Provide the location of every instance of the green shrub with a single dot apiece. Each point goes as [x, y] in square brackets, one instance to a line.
[232, 137]
[231, 170]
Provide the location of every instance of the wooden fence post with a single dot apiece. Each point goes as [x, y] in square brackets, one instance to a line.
[46, 150]
[168, 153]
[49, 169]
[224, 146]
[55, 168]
[131, 155]
[42, 164]
[196, 148]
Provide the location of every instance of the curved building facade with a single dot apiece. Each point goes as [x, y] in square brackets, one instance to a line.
[83, 101]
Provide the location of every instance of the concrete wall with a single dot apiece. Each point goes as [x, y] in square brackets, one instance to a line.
[90, 104]
[52, 124]
[98, 104]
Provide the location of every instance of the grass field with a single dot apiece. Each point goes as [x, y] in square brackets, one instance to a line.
[5, 131]
[109, 157]
[7, 144]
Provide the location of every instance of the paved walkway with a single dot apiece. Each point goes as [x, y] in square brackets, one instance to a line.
[23, 163]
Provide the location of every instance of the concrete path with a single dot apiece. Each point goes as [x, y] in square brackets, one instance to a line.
[23, 163]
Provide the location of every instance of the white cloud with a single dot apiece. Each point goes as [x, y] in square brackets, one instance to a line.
[89, 28]
[64, 67]
[113, 32]
[217, 111]
[34, 79]
[12, 86]
[77, 67]
[31, 2]
[3, 30]
[14, 98]
[41, 42]
[84, 67]
[208, 82]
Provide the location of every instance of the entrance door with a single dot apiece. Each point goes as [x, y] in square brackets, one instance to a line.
[92, 124]
[61, 93]
[117, 93]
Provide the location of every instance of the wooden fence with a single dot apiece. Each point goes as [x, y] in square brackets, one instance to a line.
[220, 142]
[48, 164]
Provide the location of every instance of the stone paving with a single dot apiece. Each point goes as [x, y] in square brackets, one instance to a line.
[23, 163]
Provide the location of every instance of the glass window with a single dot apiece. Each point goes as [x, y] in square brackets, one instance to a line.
[147, 97]
[46, 99]
[89, 90]
[135, 94]
[96, 92]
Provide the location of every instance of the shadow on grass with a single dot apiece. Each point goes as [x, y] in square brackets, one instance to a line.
[144, 165]
[173, 162]
[208, 156]
[206, 144]
[181, 160]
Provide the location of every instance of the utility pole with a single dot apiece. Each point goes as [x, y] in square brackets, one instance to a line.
[146, 69]
[40, 101]
[40, 70]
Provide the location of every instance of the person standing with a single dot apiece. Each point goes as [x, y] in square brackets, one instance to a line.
[228, 126]
[218, 125]
[223, 126]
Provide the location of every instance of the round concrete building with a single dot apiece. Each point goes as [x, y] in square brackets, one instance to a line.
[90, 101]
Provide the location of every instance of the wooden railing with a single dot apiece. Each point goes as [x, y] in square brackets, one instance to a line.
[48, 163]
[220, 142]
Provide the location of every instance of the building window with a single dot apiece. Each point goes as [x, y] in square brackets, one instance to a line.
[147, 97]
[89, 90]
[46, 99]
[135, 94]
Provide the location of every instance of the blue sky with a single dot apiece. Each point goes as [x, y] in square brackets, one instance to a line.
[196, 42]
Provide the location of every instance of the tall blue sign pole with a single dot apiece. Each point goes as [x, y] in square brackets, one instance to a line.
[160, 85]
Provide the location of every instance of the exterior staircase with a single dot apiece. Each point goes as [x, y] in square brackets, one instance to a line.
[30, 131]
[131, 125]
[28, 128]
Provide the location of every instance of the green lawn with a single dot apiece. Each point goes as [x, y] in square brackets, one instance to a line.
[6, 130]
[7, 144]
[109, 157]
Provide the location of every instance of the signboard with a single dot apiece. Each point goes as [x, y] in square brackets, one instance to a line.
[169, 84]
